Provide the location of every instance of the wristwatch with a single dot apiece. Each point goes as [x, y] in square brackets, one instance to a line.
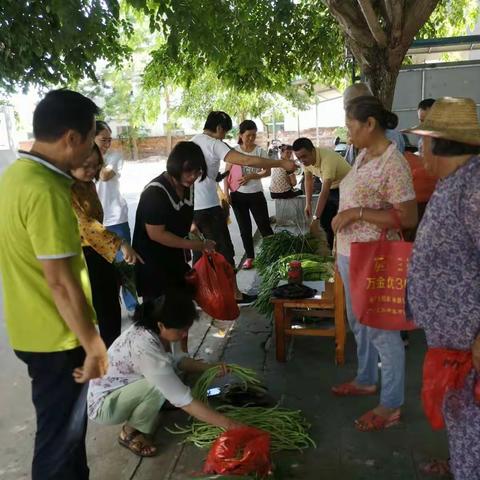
[314, 217]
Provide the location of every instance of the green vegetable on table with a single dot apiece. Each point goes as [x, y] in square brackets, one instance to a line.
[281, 244]
[314, 268]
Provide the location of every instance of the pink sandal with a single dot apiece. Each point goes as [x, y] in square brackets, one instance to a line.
[440, 468]
[248, 264]
[351, 390]
[372, 422]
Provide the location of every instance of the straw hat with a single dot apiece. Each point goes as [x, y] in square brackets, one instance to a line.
[453, 119]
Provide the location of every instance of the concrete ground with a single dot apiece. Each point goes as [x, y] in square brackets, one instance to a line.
[303, 382]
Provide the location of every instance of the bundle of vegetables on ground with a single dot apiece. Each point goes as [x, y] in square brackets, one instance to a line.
[314, 268]
[247, 377]
[287, 428]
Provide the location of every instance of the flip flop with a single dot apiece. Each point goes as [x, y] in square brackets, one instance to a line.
[372, 422]
[351, 390]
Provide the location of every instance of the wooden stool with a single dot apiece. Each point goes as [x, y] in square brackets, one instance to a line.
[330, 303]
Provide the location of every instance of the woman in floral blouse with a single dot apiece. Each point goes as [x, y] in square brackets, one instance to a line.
[144, 363]
[99, 247]
[379, 181]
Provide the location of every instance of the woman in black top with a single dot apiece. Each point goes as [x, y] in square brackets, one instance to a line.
[163, 221]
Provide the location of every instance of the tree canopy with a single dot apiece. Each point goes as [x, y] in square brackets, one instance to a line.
[54, 42]
[266, 45]
[249, 46]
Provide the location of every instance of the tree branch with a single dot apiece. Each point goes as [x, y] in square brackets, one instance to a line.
[351, 21]
[397, 20]
[389, 9]
[373, 23]
[383, 10]
[416, 14]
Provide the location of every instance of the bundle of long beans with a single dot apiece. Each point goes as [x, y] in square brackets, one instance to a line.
[287, 428]
[281, 244]
[247, 377]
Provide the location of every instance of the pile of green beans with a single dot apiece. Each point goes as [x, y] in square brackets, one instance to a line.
[287, 428]
[247, 377]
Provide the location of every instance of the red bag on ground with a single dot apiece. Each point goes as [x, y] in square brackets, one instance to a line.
[378, 277]
[240, 451]
[443, 370]
[214, 282]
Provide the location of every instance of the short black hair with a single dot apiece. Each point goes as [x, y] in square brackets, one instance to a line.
[303, 142]
[450, 148]
[186, 157]
[426, 103]
[244, 127]
[175, 309]
[218, 119]
[361, 108]
[63, 110]
[100, 126]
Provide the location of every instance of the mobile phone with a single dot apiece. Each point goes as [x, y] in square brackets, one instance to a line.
[211, 392]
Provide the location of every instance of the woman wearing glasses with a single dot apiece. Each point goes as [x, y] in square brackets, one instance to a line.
[115, 209]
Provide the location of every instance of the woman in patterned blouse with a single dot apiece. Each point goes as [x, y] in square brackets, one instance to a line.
[443, 292]
[99, 247]
[379, 181]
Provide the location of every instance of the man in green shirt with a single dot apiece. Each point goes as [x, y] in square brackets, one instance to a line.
[330, 168]
[47, 298]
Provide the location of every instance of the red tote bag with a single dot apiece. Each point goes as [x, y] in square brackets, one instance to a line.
[378, 278]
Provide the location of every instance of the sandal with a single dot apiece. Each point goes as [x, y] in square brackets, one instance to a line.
[138, 447]
[436, 467]
[372, 422]
[248, 264]
[351, 390]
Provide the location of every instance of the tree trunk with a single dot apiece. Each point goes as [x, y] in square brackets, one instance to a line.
[134, 145]
[379, 34]
[381, 72]
[169, 129]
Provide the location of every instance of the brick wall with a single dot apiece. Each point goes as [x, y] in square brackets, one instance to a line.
[158, 146]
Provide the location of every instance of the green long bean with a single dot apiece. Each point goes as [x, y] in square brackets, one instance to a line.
[287, 428]
[247, 376]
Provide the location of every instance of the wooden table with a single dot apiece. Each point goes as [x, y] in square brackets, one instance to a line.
[327, 304]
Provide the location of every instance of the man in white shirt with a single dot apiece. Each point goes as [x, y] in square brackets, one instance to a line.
[209, 216]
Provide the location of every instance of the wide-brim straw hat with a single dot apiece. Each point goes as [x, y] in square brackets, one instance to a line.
[451, 118]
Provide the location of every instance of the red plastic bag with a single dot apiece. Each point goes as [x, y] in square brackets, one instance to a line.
[443, 370]
[423, 183]
[378, 277]
[240, 451]
[214, 282]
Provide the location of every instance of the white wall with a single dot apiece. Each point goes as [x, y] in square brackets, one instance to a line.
[330, 114]
[8, 144]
